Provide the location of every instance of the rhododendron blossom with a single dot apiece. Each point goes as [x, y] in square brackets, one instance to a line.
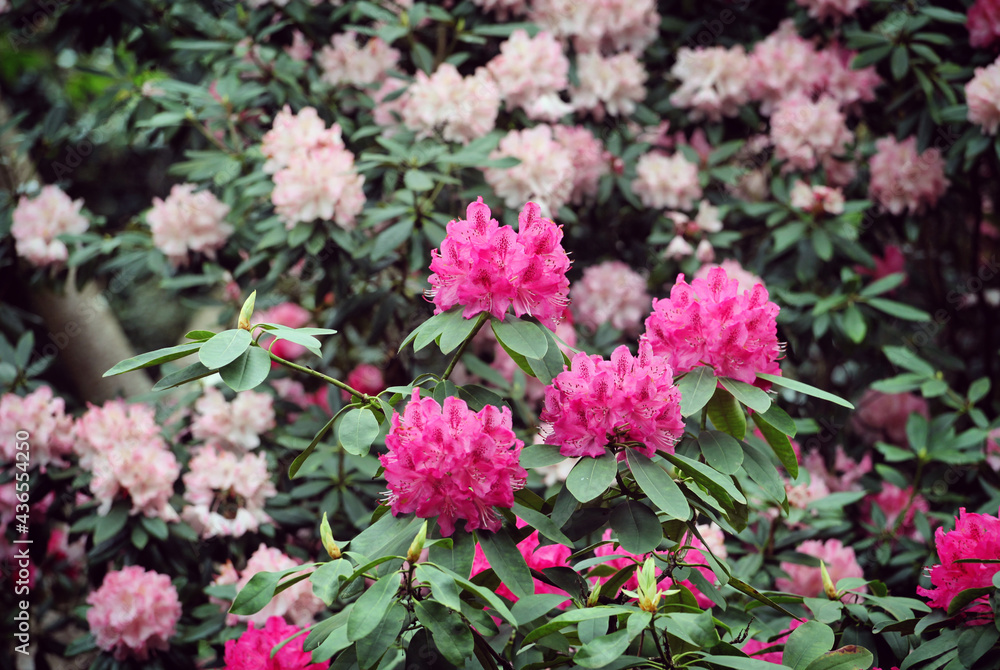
[292, 135]
[745, 280]
[904, 180]
[366, 378]
[806, 132]
[345, 62]
[807, 580]
[983, 96]
[252, 650]
[609, 25]
[461, 108]
[893, 501]
[187, 221]
[134, 612]
[882, 416]
[817, 199]
[227, 492]
[297, 604]
[613, 85]
[588, 158]
[546, 173]
[596, 402]
[452, 463]
[832, 9]
[975, 536]
[983, 22]
[713, 81]
[44, 418]
[710, 322]
[486, 267]
[666, 182]
[237, 424]
[529, 67]
[38, 221]
[611, 292]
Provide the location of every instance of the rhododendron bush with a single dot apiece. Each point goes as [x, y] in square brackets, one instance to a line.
[499, 334]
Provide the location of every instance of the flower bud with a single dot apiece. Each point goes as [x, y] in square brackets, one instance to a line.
[595, 593]
[326, 535]
[828, 588]
[247, 311]
[417, 546]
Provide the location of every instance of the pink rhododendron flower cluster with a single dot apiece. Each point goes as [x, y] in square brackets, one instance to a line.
[588, 158]
[296, 604]
[503, 8]
[817, 199]
[893, 501]
[187, 221]
[846, 473]
[832, 9]
[710, 322]
[226, 492]
[806, 580]
[666, 182]
[626, 398]
[237, 424]
[891, 261]
[44, 418]
[546, 174]
[611, 292]
[983, 22]
[904, 180]
[753, 648]
[807, 133]
[609, 25]
[345, 62]
[460, 108]
[122, 448]
[537, 557]
[366, 378]
[314, 175]
[38, 221]
[528, 68]
[71, 558]
[452, 463]
[706, 221]
[713, 81]
[252, 650]
[134, 612]
[486, 267]
[882, 416]
[284, 314]
[975, 536]
[745, 280]
[612, 85]
[983, 96]
[300, 49]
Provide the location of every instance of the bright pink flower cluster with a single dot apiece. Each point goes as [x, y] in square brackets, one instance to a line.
[806, 580]
[44, 418]
[452, 463]
[745, 279]
[710, 322]
[611, 292]
[983, 22]
[188, 221]
[537, 557]
[486, 267]
[983, 95]
[904, 180]
[626, 398]
[134, 612]
[237, 424]
[975, 536]
[344, 62]
[39, 221]
[252, 651]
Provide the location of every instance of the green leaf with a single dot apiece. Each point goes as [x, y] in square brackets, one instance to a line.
[748, 394]
[697, 388]
[372, 647]
[457, 329]
[778, 418]
[746, 589]
[780, 443]
[591, 477]
[528, 609]
[883, 285]
[870, 57]
[295, 335]
[486, 594]
[540, 455]
[358, 430]
[428, 331]
[182, 376]
[738, 662]
[721, 451]
[248, 371]
[523, 337]
[966, 596]
[726, 414]
[200, 335]
[507, 561]
[805, 389]
[391, 238]
[656, 483]
[572, 617]
[157, 357]
[899, 310]
[443, 587]
[603, 650]
[543, 524]
[371, 606]
[900, 62]
[720, 486]
[449, 631]
[418, 181]
[807, 643]
[259, 590]
[942, 14]
[854, 324]
[156, 527]
[109, 525]
[845, 658]
[636, 527]
[908, 360]
[224, 348]
[296, 465]
[326, 580]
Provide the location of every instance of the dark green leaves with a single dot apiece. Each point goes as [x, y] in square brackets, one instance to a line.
[507, 562]
[805, 389]
[522, 337]
[591, 477]
[223, 348]
[659, 486]
[157, 357]
[726, 414]
[721, 451]
[259, 591]
[540, 455]
[358, 430]
[371, 606]
[636, 527]
[248, 370]
[748, 394]
[807, 643]
[697, 388]
[451, 634]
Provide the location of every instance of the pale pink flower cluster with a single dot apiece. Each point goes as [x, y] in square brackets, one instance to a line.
[134, 612]
[122, 448]
[893, 501]
[611, 292]
[452, 463]
[627, 398]
[975, 536]
[345, 62]
[983, 97]
[608, 85]
[460, 108]
[43, 417]
[806, 133]
[846, 473]
[37, 222]
[983, 22]
[284, 314]
[713, 81]
[292, 135]
[226, 492]
[903, 180]
[529, 68]
[881, 417]
[188, 221]
[252, 650]
[817, 199]
[545, 175]
[488, 268]
[609, 25]
[710, 322]
[296, 604]
[832, 9]
[237, 424]
[300, 49]
[745, 279]
[806, 580]
[588, 157]
[706, 221]
[537, 558]
[669, 182]
[503, 8]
